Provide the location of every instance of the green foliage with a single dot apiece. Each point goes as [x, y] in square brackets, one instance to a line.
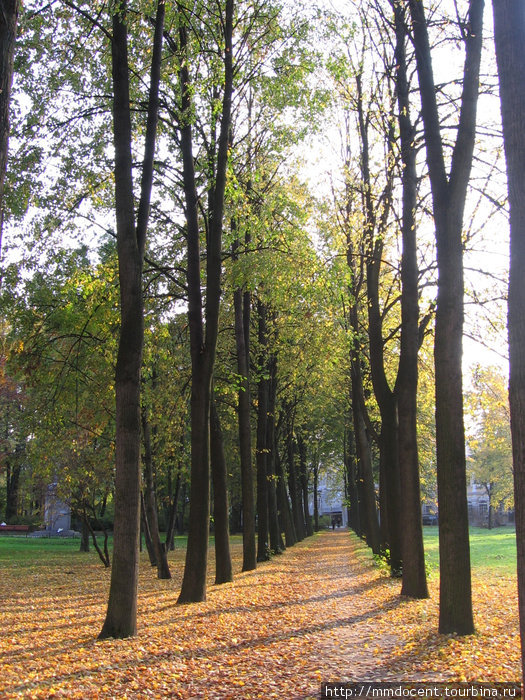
[62, 337]
[490, 459]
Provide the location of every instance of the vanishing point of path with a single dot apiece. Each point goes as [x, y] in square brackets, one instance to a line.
[319, 612]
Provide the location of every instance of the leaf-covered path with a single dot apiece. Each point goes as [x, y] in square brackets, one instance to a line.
[320, 612]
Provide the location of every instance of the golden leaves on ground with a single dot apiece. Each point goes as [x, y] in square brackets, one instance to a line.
[318, 612]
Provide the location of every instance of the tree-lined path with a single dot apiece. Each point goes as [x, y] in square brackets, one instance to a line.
[321, 611]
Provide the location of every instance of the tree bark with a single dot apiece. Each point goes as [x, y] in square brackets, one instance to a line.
[286, 519]
[367, 496]
[414, 573]
[245, 437]
[221, 510]
[263, 549]
[293, 484]
[303, 476]
[365, 475]
[316, 495]
[354, 510]
[509, 35]
[8, 26]
[13, 470]
[448, 196]
[172, 515]
[121, 615]
[150, 501]
[276, 540]
[146, 530]
[84, 535]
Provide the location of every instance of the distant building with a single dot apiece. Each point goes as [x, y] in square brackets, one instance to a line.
[331, 499]
[478, 509]
[57, 514]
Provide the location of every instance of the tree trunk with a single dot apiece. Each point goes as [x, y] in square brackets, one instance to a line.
[84, 538]
[414, 573]
[376, 217]
[8, 26]
[365, 477]
[12, 488]
[245, 438]
[448, 195]
[263, 549]
[103, 554]
[203, 330]
[221, 510]
[121, 616]
[182, 513]
[354, 517]
[509, 34]
[287, 524]
[169, 544]
[293, 485]
[316, 496]
[147, 531]
[367, 496]
[276, 540]
[303, 475]
[150, 501]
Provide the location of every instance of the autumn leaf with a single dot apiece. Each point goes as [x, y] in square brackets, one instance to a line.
[320, 612]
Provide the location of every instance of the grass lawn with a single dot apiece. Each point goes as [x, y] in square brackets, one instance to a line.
[21, 551]
[490, 550]
[493, 550]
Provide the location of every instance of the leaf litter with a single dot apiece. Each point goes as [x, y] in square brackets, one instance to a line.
[319, 612]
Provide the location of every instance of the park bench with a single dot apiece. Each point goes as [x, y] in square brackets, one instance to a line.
[15, 528]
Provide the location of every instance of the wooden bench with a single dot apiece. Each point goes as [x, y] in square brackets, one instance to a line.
[15, 528]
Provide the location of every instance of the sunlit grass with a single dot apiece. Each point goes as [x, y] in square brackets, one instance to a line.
[490, 550]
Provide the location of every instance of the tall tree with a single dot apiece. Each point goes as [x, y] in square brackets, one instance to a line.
[121, 615]
[8, 25]
[448, 195]
[414, 574]
[509, 35]
[203, 319]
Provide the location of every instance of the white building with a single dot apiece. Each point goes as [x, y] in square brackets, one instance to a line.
[331, 499]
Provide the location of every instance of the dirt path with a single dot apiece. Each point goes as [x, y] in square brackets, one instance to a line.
[319, 612]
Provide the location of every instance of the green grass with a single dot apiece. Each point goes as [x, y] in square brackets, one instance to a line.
[22, 550]
[490, 550]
